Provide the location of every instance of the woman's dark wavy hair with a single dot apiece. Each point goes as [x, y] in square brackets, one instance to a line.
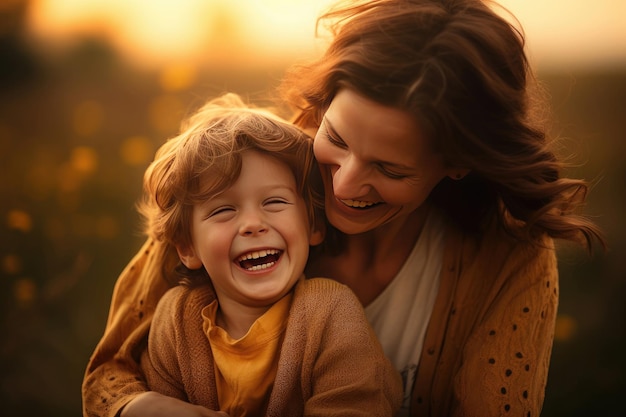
[461, 70]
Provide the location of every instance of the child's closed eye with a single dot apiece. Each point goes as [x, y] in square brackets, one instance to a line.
[221, 211]
[276, 203]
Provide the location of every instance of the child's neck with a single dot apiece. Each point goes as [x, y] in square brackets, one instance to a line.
[237, 320]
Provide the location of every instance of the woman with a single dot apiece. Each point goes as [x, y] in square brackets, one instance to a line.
[443, 199]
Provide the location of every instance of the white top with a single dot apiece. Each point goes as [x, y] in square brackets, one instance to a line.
[400, 314]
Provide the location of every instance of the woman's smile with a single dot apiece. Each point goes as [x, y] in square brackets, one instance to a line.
[358, 204]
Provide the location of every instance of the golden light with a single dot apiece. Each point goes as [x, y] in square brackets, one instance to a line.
[165, 113]
[84, 160]
[11, 264]
[282, 25]
[107, 227]
[137, 150]
[178, 76]
[160, 31]
[572, 33]
[172, 26]
[140, 29]
[262, 32]
[25, 291]
[19, 220]
[566, 328]
[87, 118]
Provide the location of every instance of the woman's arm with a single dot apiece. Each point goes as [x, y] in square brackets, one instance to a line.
[505, 361]
[153, 404]
[113, 376]
[171, 352]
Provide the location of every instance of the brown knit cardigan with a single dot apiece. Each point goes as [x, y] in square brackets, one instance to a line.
[487, 347]
[330, 363]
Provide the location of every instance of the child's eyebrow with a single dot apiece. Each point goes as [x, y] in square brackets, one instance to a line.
[278, 187]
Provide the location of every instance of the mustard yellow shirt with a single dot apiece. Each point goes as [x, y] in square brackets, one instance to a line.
[245, 368]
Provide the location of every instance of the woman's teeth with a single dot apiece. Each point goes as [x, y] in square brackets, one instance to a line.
[357, 204]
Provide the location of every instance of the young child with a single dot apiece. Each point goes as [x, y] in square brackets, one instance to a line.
[245, 333]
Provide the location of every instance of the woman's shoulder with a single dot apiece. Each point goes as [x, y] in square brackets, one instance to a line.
[497, 254]
[496, 242]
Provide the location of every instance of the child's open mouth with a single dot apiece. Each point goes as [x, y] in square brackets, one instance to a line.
[259, 260]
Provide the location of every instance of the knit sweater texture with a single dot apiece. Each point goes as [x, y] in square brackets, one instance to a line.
[486, 351]
[330, 362]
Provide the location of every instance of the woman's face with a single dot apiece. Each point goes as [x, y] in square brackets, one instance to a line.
[377, 164]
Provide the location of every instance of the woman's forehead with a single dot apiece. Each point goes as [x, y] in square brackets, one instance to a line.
[363, 123]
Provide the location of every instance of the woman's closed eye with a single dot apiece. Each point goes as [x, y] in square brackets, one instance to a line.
[335, 141]
[332, 136]
[391, 173]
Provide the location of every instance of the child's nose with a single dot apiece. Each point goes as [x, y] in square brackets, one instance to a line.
[252, 224]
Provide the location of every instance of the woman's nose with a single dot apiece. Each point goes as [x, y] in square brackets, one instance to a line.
[350, 179]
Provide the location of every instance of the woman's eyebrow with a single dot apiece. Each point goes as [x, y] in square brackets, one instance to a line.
[332, 132]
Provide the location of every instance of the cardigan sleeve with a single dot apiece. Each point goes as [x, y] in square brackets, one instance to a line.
[178, 361]
[505, 361]
[159, 362]
[351, 376]
[113, 376]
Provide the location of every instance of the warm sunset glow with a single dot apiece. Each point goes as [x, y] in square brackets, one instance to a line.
[19, 220]
[154, 32]
[571, 33]
[561, 32]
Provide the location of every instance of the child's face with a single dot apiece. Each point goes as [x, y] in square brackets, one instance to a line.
[253, 239]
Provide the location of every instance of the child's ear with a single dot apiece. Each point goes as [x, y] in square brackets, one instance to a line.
[317, 236]
[318, 232]
[458, 173]
[188, 257]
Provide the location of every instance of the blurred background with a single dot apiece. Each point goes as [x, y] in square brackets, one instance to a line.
[90, 88]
